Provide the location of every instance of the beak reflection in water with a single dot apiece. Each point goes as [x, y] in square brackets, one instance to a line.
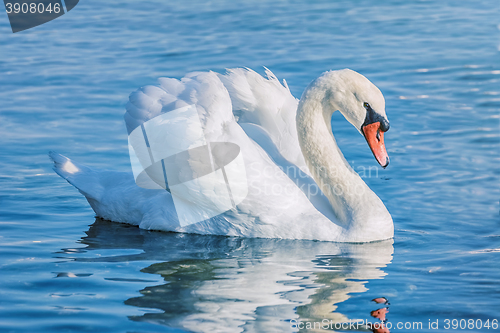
[228, 284]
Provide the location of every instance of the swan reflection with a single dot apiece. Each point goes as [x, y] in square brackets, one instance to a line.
[215, 283]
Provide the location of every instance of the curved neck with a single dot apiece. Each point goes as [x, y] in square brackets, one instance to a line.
[343, 187]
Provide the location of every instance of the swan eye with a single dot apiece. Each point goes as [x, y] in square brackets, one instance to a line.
[366, 105]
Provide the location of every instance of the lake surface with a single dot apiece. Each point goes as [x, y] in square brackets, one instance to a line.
[64, 86]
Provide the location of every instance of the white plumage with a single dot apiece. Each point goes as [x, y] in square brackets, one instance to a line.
[259, 115]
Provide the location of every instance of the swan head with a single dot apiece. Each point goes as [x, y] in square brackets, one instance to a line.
[361, 103]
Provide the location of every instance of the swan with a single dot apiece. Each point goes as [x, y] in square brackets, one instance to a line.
[288, 178]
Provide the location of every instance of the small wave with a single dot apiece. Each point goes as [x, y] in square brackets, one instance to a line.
[485, 251]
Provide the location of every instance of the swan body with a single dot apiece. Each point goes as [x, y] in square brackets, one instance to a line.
[298, 183]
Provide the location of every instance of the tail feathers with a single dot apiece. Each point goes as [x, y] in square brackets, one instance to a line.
[80, 176]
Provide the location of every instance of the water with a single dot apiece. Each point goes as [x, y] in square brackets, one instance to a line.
[64, 86]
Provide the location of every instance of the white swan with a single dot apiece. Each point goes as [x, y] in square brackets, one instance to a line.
[288, 152]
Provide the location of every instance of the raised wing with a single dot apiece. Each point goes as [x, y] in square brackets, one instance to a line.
[268, 104]
[204, 90]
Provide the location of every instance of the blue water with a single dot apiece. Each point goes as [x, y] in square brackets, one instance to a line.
[64, 86]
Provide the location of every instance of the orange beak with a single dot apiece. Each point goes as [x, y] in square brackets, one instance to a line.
[380, 313]
[375, 138]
